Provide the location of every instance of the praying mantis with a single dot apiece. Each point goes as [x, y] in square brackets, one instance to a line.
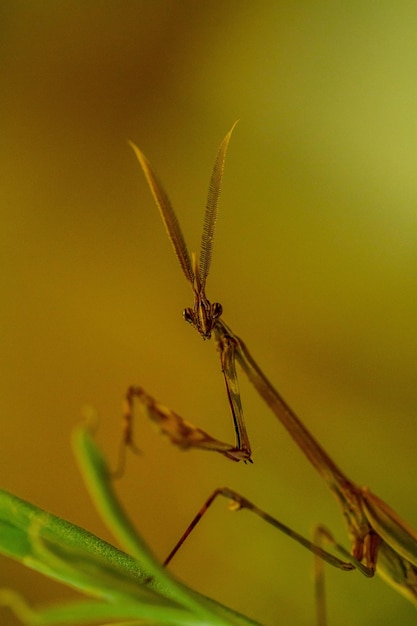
[380, 540]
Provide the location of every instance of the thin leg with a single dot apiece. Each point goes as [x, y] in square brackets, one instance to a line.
[181, 432]
[227, 347]
[326, 536]
[319, 582]
[127, 440]
[240, 502]
[322, 535]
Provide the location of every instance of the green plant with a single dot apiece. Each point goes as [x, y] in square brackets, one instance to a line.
[125, 588]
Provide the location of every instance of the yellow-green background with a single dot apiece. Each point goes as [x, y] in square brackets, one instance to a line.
[314, 263]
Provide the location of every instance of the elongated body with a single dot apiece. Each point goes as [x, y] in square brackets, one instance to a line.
[380, 540]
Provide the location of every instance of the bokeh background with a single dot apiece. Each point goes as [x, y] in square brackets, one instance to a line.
[314, 263]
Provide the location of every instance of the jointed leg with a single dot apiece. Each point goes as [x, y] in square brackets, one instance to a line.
[226, 345]
[180, 432]
[240, 502]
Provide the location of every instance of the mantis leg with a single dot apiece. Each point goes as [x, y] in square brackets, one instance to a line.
[227, 348]
[321, 535]
[180, 432]
[319, 583]
[239, 502]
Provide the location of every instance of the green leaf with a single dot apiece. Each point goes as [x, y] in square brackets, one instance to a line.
[129, 588]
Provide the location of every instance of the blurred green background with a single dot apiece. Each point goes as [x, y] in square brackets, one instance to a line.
[314, 263]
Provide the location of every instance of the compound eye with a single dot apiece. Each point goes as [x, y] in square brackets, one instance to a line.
[188, 316]
[216, 310]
